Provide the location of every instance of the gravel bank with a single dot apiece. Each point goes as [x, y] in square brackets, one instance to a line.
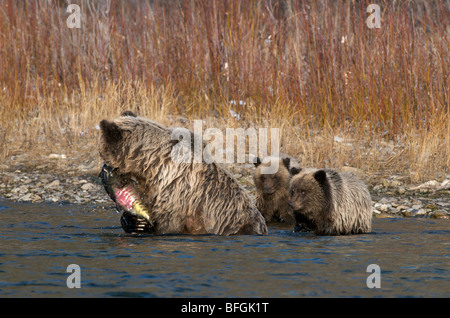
[391, 197]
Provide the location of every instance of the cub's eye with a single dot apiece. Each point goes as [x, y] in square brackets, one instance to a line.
[302, 192]
[292, 193]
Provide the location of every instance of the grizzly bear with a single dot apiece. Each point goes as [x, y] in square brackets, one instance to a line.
[272, 190]
[182, 197]
[334, 203]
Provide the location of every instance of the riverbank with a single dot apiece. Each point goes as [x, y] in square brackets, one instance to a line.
[70, 180]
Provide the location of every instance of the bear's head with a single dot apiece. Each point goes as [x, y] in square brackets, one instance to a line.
[309, 191]
[112, 140]
[270, 183]
[133, 144]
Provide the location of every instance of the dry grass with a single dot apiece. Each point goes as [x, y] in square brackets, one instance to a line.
[311, 68]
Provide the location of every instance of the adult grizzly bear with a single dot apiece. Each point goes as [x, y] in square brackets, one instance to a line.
[182, 197]
[272, 190]
[335, 203]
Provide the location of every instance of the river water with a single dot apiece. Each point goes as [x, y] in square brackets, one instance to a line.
[39, 241]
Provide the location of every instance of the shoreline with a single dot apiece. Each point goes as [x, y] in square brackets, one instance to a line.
[57, 180]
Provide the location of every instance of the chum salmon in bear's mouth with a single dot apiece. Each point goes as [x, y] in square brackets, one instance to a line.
[126, 197]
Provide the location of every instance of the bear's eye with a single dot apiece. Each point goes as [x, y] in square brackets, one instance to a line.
[292, 193]
[302, 192]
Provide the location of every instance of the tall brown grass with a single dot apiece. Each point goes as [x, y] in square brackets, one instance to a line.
[340, 92]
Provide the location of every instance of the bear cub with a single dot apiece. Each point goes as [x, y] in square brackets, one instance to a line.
[272, 190]
[334, 203]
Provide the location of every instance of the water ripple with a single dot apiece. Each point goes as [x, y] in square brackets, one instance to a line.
[38, 242]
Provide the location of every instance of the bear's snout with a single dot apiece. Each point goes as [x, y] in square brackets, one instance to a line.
[268, 190]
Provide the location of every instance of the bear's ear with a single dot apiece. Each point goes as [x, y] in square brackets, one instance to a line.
[110, 131]
[128, 113]
[258, 162]
[320, 176]
[295, 170]
[286, 162]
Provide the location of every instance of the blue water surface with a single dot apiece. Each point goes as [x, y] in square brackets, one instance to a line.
[39, 241]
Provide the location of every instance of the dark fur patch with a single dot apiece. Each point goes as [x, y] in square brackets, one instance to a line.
[295, 170]
[336, 177]
[322, 178]
[126, 149]
[303, 223]
[286, 162]
[136, 153]
[111, 132]
[258, 162]
[128, 113]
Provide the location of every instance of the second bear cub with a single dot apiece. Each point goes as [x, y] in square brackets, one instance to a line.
[336, 203]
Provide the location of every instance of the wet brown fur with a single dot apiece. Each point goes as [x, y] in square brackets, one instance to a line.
[191, 198]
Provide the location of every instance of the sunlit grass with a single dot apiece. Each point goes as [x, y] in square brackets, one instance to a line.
[311, 68]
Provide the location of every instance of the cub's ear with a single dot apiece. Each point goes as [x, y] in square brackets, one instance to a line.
[295, 170]
[320, 176]
[110, 131]
[258, 162]
[128, 113]
[286, 162]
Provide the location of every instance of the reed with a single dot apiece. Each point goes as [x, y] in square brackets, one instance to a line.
[312, 68]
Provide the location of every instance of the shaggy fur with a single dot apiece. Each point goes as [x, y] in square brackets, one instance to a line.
[191, 198]
[336, 203]
[272, 190]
